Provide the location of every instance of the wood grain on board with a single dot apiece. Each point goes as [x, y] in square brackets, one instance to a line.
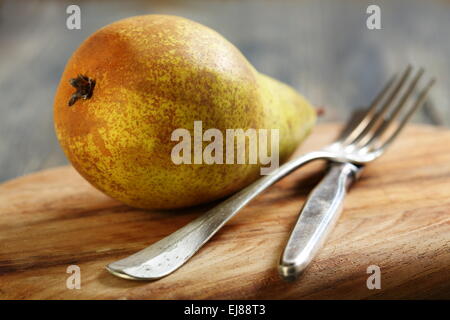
[397, 216]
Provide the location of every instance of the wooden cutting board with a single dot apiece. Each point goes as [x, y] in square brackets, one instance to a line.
[397, 216]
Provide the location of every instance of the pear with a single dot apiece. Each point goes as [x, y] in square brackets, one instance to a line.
[132, 83]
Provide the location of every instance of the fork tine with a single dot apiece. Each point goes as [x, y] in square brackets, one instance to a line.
[386, 124]
[419, 102]
[351, 133]
[377, 119]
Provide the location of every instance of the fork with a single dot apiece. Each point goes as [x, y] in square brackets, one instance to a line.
[360, 145]
[324, 204]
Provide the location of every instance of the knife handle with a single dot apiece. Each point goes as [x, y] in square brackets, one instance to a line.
[317, 218]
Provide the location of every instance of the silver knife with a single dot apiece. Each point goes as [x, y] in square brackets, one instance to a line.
[317, 218]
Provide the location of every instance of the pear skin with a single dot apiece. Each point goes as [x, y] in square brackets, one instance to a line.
[139, 79]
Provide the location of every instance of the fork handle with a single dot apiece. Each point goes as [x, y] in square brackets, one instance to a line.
[317, 218]
[171, 252]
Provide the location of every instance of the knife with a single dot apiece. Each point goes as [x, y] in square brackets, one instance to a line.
[317, 218]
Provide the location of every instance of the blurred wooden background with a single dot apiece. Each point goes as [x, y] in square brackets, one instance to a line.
[321, 47]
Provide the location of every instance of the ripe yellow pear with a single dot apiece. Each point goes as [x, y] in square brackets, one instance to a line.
[132, 83]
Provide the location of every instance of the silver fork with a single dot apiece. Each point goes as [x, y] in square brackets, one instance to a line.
[357, 147]
[323, 206]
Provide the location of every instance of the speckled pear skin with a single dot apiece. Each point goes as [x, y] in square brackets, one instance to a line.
[154, 74]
